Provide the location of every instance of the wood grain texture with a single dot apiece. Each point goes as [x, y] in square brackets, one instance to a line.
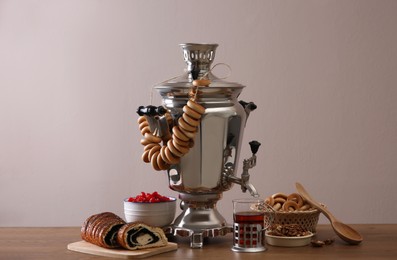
[380, 242]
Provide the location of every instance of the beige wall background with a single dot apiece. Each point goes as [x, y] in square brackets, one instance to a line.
[72, 73]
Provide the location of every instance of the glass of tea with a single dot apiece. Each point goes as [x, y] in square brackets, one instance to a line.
[248, 226]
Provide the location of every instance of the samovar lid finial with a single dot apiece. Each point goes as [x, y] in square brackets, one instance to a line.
[199, 57]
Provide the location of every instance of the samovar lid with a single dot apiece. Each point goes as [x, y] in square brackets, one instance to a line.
[198, 57]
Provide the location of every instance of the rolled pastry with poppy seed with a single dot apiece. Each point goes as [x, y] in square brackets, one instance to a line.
[138, 235]
[101, 229]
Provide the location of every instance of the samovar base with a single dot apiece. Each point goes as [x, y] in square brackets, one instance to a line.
[200, 219]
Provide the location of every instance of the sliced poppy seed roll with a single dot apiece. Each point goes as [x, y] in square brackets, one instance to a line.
[137, 235]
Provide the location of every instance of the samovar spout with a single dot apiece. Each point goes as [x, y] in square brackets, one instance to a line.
[252, 190]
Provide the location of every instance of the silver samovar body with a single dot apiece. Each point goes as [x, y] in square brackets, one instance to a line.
[209, 168]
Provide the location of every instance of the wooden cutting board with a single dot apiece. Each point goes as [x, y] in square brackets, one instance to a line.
[88, 248]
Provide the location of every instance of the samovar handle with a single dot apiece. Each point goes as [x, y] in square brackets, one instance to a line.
[248, 107]
[151, 111]
[157, 120]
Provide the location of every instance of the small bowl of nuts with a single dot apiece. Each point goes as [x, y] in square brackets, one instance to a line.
[289, 235]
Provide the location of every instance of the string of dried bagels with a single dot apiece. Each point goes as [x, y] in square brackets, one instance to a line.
[162, 156]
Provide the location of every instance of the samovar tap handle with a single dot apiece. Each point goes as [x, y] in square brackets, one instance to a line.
[254, 145]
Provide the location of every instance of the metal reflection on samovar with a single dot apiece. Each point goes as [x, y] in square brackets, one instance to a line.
[196, 136]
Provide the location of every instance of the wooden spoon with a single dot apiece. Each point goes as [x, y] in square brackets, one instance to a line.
[344, 231]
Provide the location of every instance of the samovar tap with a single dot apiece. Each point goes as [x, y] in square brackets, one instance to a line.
[243, 181]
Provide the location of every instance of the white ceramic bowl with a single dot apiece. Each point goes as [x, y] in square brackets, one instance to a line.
[158, 214]
[288, 241]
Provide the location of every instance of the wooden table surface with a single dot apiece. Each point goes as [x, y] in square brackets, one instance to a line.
[380, 242]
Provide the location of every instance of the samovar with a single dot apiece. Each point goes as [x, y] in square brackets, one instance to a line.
[207, 167]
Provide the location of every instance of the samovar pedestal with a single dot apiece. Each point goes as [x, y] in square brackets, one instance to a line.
[200, 219]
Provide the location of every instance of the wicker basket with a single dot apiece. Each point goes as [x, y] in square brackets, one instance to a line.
[307, 219]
